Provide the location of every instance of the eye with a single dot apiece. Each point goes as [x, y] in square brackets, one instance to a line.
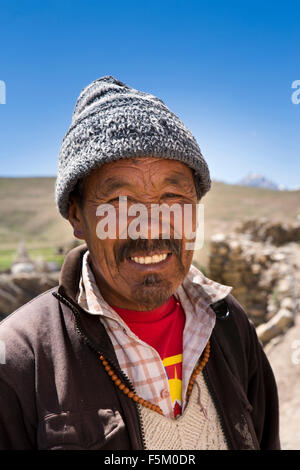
[115, 199]
[171, 195]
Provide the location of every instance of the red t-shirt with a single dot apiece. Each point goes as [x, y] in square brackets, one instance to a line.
[162, 328]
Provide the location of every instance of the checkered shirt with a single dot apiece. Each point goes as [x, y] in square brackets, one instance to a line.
[140, 361]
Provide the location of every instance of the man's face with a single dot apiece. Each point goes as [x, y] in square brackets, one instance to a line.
[125, 274]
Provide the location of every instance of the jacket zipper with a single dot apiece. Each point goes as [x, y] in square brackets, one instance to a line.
[112, 361]
[215, 401]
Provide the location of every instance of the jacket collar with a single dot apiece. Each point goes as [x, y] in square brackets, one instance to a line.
[88, 326]
[71, 272]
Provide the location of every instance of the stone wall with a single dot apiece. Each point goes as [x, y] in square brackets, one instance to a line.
[276, 233]
[263, 269]
[17, 289]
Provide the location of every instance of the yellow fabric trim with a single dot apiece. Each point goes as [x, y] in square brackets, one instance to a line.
[169, 361]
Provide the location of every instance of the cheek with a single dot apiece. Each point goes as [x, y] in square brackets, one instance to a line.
[105, 254]
[101, 250]
[184, 221]
[104, 263]
[189, 221]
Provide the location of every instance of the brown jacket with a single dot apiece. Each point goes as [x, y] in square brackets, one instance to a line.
[55, 393]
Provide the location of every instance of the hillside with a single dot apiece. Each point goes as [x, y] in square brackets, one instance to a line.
[28, 211]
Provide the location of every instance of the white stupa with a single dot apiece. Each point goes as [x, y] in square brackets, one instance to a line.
[22, 263]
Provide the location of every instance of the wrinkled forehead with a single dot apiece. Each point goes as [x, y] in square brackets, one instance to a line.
[143, 170]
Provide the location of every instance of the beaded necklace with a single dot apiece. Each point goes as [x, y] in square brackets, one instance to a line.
[133, 396]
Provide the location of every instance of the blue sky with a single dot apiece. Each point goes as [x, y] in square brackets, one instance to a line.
[225, 68]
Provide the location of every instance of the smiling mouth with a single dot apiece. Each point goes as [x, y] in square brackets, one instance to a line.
[153, 259]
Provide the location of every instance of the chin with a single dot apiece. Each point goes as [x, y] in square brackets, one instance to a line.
[151, 297]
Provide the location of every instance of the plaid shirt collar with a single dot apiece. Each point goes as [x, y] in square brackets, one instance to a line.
[140, 361]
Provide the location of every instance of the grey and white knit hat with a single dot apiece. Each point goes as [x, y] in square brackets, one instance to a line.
[111, 121]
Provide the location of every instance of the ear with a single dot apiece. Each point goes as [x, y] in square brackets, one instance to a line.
[76, 219]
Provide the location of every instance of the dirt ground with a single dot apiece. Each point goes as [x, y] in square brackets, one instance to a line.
[284, 357]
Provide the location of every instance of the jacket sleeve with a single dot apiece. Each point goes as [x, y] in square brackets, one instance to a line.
[15, 431]
[262, 394]
[17, 385]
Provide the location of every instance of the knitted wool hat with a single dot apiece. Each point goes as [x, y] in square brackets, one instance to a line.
[111, 121]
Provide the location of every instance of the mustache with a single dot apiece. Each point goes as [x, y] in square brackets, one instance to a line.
[127, 249]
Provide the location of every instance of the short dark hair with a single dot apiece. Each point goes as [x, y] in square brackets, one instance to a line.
[196, 183]
[78, 192]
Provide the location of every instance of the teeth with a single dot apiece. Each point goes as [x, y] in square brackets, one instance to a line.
[149, 259]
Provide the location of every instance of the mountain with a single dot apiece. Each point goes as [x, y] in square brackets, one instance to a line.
[258, 181]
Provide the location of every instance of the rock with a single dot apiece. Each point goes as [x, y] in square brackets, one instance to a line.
[262, 259]
[288, 303]
[218, 238]
[223, 250]
[267, 331]
[278, 257]
[276, 326]
[283, 319]
[235, 248]
[283, 286]
[272, 308]
[270, 315]
[7, 302]
[256, 268]
[22, 268]
[232, 278]
[18, 289]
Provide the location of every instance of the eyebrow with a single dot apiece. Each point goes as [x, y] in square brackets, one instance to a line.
[176, 178]
[112, 184]
[172, 180]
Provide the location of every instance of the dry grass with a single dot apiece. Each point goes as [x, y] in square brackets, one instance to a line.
[28, 210]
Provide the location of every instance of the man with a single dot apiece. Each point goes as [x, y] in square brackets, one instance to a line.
[136, 348]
